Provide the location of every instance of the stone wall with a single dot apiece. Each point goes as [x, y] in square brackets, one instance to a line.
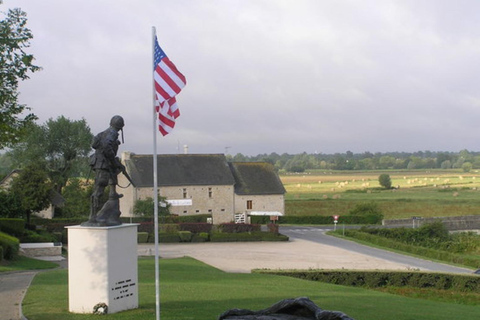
[41, 249]
[451, 223]
[274, 202]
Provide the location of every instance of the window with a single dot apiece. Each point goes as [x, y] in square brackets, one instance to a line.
[184, 193]
[249, 204]
[209, 192]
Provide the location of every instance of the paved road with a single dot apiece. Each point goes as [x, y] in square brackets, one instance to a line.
[318, 235]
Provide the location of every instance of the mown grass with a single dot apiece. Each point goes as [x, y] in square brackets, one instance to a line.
[193, 290]
[419, 193]
[24, 263]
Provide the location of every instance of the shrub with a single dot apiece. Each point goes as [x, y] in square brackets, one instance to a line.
[1, 253]
[36, 237]
[185, 236]
[13, 227]
[238, 227]
[196, 227]
[375, 279]
[168, 228]
[164, 237]
[201, 237]
[10, 246]
[471, 260]
[246, 236]
[142, 237]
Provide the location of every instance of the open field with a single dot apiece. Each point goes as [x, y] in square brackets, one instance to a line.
[416, 193]
[193, 290]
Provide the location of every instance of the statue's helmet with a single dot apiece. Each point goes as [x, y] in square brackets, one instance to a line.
[117, 122]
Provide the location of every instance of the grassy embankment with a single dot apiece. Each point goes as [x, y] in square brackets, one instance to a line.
[193, 290]
[434, 193]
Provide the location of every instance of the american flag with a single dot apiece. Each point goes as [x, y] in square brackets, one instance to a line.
[168, 83]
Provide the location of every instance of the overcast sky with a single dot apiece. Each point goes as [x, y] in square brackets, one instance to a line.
[265, 75]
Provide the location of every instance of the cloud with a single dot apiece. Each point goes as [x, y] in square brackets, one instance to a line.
[265, 76]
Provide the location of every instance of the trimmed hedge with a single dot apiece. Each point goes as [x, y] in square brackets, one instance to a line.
[164, 237]
[196, 227]
[13, 227]
[238, 227]
[375, 279]
[142, 237]
[10, 246]
[246, 236]
[471, 261]
[185, 236]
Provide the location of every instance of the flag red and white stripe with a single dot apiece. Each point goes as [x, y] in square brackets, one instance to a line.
[168, 82]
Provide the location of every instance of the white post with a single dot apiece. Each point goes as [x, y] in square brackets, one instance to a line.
[155, 187]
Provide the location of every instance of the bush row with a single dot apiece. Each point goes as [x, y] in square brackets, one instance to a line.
[12, 226]
[187, 236]
[347, 219]
[10, 246]
[199, 227]
[375, 279]
[471, 260]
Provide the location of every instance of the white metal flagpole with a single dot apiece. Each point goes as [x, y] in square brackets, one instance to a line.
[155, 187]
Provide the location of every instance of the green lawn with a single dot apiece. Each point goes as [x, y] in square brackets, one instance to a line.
[23, 263]
[193, 290]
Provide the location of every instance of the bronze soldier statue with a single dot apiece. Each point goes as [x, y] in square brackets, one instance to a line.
[107, 166]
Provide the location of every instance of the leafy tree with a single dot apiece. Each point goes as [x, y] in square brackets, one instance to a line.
[60, 146]
[77, 199]
[147, 207]
[446, 164]
[10, 206]
[15, 64]
[33, 190]
[386, 162]
[385, 181]
[467, 166]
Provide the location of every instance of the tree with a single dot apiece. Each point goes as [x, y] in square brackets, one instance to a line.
[385, 181]
[15, 63]
[77, 199]
[33, 190]
[467, 166]
[60, 146]
[10, 206]
[146, 207]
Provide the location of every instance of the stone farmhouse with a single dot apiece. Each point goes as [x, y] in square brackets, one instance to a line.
[203, 184]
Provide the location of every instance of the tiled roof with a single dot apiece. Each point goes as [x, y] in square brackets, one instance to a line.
[180, 170]
[256, 178]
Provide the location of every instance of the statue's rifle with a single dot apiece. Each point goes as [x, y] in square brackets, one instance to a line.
[122, 168]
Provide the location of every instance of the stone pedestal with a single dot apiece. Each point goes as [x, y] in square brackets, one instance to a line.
[102, 268]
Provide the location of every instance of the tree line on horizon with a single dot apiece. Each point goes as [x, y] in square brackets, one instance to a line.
[464, 159]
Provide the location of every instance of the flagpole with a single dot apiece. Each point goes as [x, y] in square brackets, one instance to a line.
[155, 187]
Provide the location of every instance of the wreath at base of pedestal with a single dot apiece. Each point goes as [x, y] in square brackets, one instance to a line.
[100, 308]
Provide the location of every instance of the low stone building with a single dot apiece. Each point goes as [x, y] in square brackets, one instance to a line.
[203, 184]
